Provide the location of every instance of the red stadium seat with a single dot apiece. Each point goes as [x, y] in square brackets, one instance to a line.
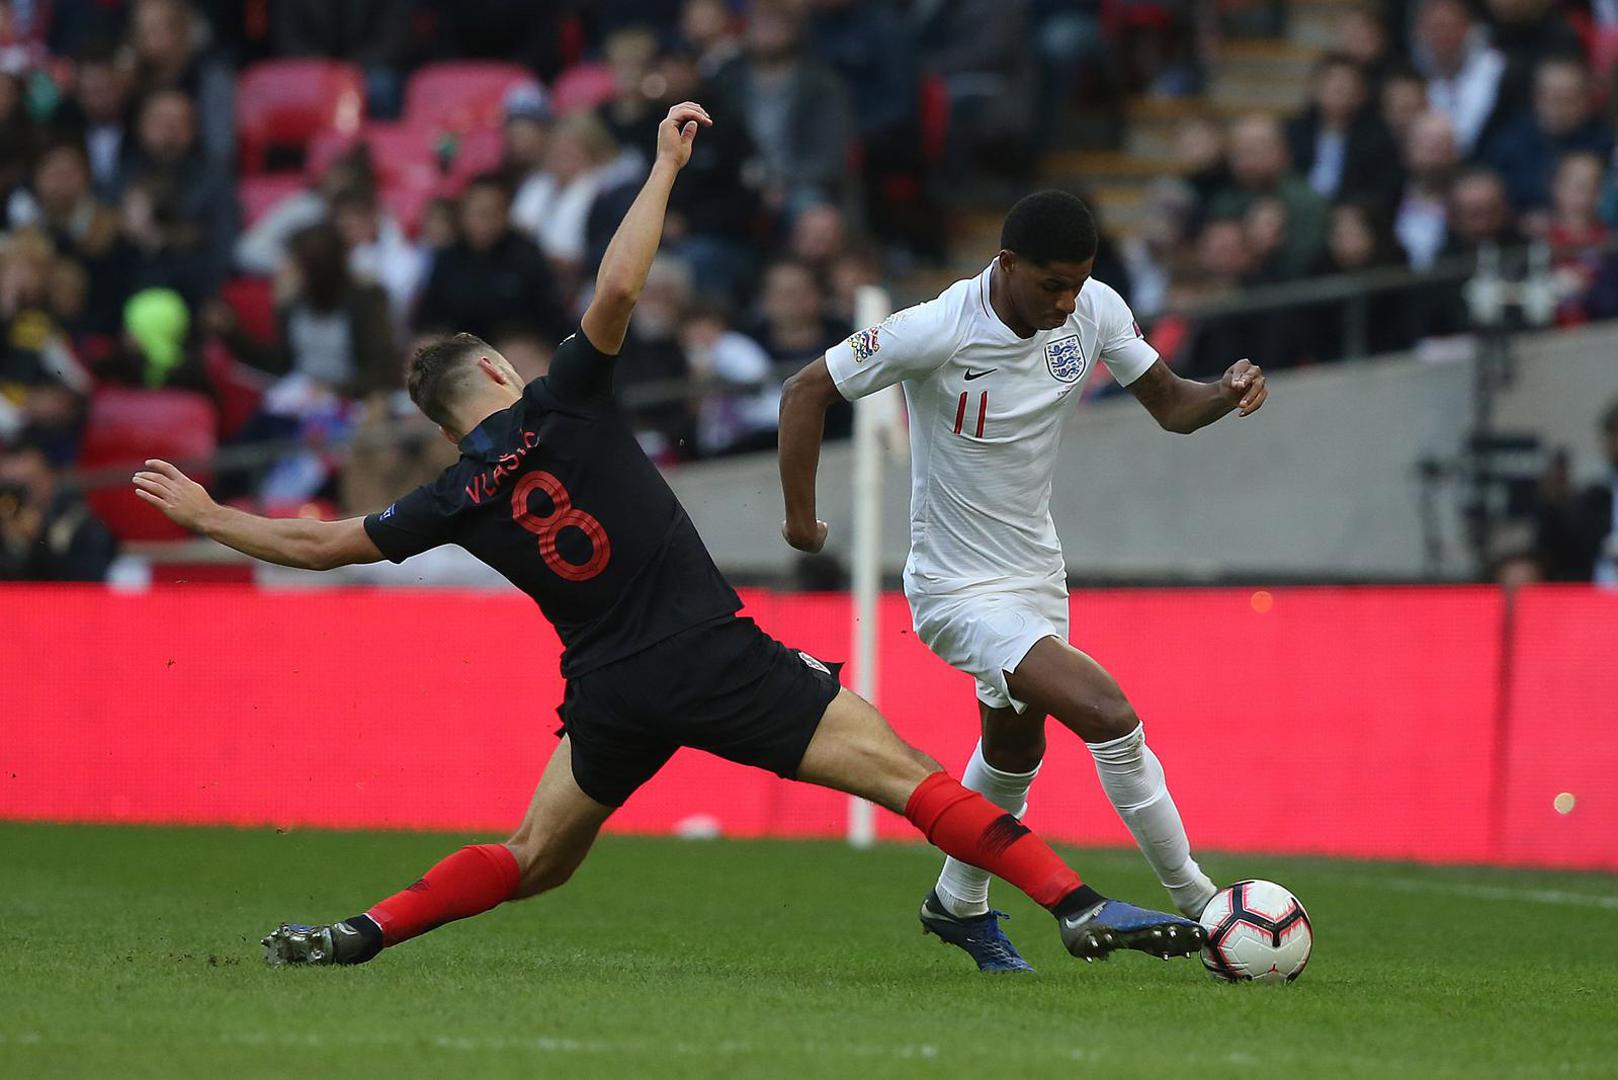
[287, 102]
[400, 153]
[407, 203]
[125, 427]
[460, 96]
[238, 388]
[257, 194]
[252, 300]
[582, 88]
[1604, 50]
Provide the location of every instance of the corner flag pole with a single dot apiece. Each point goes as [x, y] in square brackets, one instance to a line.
[874, 417]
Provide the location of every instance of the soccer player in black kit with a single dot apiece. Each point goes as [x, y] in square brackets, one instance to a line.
[553, 491]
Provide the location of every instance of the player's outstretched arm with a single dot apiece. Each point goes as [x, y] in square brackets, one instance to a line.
[629, 255]
[804, 400]
[299, 542]
[1185, 405]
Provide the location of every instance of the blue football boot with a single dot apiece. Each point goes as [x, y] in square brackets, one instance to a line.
[1113, 924]
[979, 936]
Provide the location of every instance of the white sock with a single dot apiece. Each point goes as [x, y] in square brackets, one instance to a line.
[963, 888]
[1133, 779]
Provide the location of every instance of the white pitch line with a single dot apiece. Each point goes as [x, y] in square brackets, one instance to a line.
[1501, 892]
[904, 1051]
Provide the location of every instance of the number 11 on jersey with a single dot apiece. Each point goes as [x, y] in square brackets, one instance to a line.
[983, 411]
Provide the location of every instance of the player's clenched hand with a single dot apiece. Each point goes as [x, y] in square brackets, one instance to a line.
[185, 501]
[1243, 385]
[806, 539]
[678, 130]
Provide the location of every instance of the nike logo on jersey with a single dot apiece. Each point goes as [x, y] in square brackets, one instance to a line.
[970, 374]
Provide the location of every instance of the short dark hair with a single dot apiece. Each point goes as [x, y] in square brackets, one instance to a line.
[436, 372]
[1050, 226]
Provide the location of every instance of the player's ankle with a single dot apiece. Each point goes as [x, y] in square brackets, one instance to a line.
[962, 908]
[362, 943]
[1079, 900]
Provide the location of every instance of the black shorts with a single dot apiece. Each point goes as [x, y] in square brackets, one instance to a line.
[725, 687]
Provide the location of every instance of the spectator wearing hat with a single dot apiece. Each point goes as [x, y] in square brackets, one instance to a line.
[525, 137]
[157, 327]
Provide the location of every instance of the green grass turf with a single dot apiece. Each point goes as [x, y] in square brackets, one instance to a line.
[133, 953]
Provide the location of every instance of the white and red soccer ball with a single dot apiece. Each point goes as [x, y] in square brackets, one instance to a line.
[1258, 932]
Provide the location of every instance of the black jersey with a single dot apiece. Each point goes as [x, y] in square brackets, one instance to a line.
[556, 494]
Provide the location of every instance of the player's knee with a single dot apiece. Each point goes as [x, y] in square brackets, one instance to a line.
[1114, 717]
[1100, 716]
[541, 867]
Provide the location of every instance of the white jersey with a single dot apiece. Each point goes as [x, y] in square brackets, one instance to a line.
[985, 412]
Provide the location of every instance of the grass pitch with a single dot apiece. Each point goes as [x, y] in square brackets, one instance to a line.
[133, 953]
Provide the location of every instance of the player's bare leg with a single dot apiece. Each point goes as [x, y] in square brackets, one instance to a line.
[1058, 679]
[854, 750]
[553, 839]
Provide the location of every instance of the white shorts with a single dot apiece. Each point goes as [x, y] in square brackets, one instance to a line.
[987, 634]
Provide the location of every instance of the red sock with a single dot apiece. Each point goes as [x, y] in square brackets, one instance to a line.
[964, 824]
[468, 882]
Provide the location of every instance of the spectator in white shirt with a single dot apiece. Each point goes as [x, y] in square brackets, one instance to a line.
[1463, 72]
[1431, 158]
[730, 423]
[553, 206]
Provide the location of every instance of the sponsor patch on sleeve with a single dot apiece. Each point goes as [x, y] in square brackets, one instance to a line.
[865, 344]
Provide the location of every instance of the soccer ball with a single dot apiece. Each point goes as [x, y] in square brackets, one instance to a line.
[1257, 931]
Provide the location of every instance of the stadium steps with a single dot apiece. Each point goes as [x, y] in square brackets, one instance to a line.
[1248, 75]
[1314, 22]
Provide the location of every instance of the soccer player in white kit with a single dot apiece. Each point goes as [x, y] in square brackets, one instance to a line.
[988, 370]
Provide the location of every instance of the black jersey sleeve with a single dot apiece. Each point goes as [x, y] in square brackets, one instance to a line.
[579, 373]
[415, 523]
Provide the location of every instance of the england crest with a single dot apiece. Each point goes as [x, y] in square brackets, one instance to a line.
[1065, 358]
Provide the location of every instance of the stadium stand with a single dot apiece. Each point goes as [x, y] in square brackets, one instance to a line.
[1228, 150]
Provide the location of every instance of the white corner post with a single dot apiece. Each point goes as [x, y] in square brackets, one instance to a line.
[875, 422]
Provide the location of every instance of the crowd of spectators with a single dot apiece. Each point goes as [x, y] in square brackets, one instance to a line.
[138, 247]
[1431, 130]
